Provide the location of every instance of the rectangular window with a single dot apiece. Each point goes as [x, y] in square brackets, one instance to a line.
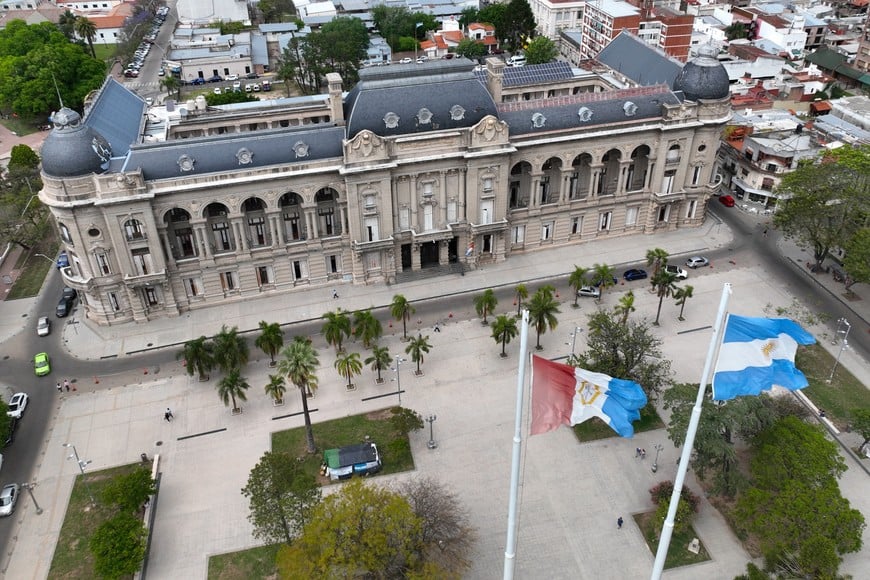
[487, 184]
[518, 235]
[103, 264]
[372, 229]
[577, 225]
[428, 224]
[604, 221]
[690, 211]
[221, 232]
[257, 231]
[113, 301]
[487, 244]
[631, 216]
[184, 239]
[696, 175]
[404, 218]
[427, 189]
[291, 226]
[486, 212]
[668, 181]
[326, 221]
[546, 231]
[264, 276]
[193, 287]
[451, 211]
[142, 261]
[664, 213]
[228, 281]
[545, 189]
[300, 270]
[332, 263]
[151, 296]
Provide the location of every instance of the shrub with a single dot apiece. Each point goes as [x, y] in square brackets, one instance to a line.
[661, 495]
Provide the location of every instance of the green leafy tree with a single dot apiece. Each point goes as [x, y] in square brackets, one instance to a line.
[276, 10]
[130, 491]
[469, 15]
[172, 84]
[521, 292]
[735, 31]
[625, 306]
[602, 276]
[336, 328]
[198, 355]
[67, 24]
[658, 259]
[270, 340]
[281, 496]
[681, 295]
[348, 365]
[401, 309]
[541, 50]
[23, 159]
[394, 22]
[88, 31]
[230, 350]
[494, 13]
[857, 259]
[485, 303]
[299, 363]
[405, 420]
[517, 25]
[417, 347]
[118, 546]
[823, 203]
[470, 48]
[229, 97]
[359, 531]
[860, 424]
[232, 387]
[276, 388]
[343, 42]
[504, 329]
[5, 420]
[366, 327]
[576, 280]
[665, 284]
[379, 360]
[23, 219]
[543, 308]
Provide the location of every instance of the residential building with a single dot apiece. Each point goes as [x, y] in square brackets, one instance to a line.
[423, 167]
[603, 21]
[862, 57]
[554, 16]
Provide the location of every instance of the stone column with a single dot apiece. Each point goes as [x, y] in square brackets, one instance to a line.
[170, 259]
[200, 236]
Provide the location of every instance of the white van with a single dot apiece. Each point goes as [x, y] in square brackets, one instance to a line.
[517, 60]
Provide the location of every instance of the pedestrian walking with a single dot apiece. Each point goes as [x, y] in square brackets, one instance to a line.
[437, 328]
[66, 384]
[168, 416]
[59, 388]
[643, 453]
[619, 523]
[637, 451]
[334, 294]
[764, 233]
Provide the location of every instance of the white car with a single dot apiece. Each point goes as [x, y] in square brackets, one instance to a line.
[43, 326]
[8, 499]
[231, 78]
[406, 60]
[676, 271]
[697, 262]
[589, 291]
[217, 90]
[17, 404]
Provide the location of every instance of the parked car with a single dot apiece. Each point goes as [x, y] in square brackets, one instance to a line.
[726, 200]
[62, 261]
[232, 77]
[252, 75]
[406, 60]
[217, 90]
[267, 85]
[589, 292]
[69, 293]
[17, 404]
[43, 326]
[634, 274]
[198, 81]
[64, 307]
[8, 499]
[697, 262]
[614, 282]
[41, 364]
[676, 271]
[237, 87]
[215, 79]
[517, 60]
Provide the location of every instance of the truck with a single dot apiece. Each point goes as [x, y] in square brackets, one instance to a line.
[345, 462]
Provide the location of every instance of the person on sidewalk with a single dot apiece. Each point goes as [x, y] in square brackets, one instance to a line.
[619, 523]
[167, 416]
[66, 385]
[334, 294]
[59, 387]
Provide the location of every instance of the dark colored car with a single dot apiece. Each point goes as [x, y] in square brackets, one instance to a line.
[63, 307]
[614, 281]
[252, 76]
[634, 274]
[216, 79]
[69, 293]
[726, 200]
[198, 81]
[62, 260]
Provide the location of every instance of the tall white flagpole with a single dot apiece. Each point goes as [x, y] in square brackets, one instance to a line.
[510, 550]
[668, 528]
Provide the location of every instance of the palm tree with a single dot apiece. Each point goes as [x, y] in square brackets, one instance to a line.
[171, 83]
[521, 293]
[417, 348]
[543, 309]
[576, 280]
[347, 366]
[379, 360]
[336, 328]
[681, 295]
[366, 327]
[230, 350]
[270, 340]
[299, 363]
[233, 386]
[485, 303]
[602, 276]
[665, 283]
[198, 355]
[625, 306]
[504, 329]
[275, 388]
[67, 24]
[88, 31]
[401, 309]
[657, 258]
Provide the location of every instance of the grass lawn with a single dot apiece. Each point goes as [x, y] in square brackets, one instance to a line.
[839, 399]
[244, 565]
[678, 555]
[395, 449]
[34, 269]
[104, 51]
[72, 556]
[22, 126]
[595, 428]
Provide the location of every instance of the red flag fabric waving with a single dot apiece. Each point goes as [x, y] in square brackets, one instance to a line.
[553, 386]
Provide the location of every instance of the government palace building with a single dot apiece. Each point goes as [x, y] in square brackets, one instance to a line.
[432, 168]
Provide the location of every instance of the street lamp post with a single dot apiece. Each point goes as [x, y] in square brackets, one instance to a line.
[416, 26]
[843, 327]
[82, 464]
[398, 379]
[29, 487]
[431, 420]
[44, 256]
[655, 466]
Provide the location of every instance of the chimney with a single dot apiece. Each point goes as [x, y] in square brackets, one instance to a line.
[336, 105]
[494, 77]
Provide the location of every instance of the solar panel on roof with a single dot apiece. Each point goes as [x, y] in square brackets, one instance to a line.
[532, 74]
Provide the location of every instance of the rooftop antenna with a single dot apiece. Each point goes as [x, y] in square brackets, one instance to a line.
[59, 98]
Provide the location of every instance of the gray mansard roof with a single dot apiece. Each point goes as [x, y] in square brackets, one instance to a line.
[417, 98]
[639, 61]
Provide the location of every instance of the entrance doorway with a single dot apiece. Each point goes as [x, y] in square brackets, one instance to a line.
[453, 255]
[429, 254]
[406, 257]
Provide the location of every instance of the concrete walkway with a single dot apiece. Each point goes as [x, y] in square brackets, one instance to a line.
[572, 493]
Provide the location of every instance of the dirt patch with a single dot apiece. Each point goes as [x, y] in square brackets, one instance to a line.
[852, 297]
[381, 415]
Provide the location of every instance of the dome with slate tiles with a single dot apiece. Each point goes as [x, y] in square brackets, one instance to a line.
[72, 148]
[703, 77]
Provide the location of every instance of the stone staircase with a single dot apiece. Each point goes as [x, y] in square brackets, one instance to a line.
[430, 272]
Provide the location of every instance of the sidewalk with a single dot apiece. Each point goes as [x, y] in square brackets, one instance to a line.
[571, 493]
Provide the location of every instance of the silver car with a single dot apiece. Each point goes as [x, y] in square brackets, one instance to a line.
[697, 262]
[589, 291]
[43, 326]
[8, 499]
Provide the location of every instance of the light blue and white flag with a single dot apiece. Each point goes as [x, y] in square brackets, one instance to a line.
[757, 353]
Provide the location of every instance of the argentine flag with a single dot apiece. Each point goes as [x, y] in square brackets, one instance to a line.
[564, 395]
[757, 353]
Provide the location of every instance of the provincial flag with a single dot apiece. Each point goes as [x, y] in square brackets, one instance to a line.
[564, 395]
[470, 249]
[757, 353]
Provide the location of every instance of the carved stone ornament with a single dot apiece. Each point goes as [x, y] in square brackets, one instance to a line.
[125, 180]
[457, 113]
[489, 128]
[366, 142]
[538, 120]
[245, 156]
[186, 162]
[585, 114]
[300, 148]
[102, 148]
[424, 116]
[629, 108]
[391, 120]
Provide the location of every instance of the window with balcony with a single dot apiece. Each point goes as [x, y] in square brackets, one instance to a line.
[103, 263]
[133, 230]
[264, 276]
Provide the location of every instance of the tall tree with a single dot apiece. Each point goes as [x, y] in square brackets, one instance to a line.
[823, 204]
[543, 309]
[348, 365]
[270, 340]
[88, 31]
[67, 24]
[682, 294]
[401, 309]
[577, 279]
[861, 424]
[417, 347]
[470, 49]
[521, 292]
[129, 491]
[336, 328]
[233, 387]
[172, 85]
[299, 363]
[379, 360]
[468, 16]
[24, 220]
[485, 303]
[118, 546]
[658, 259]
[366, 327]
[517, 25]
[198, 356]
[230, 350]
[625, 306]
[276, 388]
[602, 276]
[281, 497]
[504, 329]
[541, 50]
[665, 284]
[856, 262]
